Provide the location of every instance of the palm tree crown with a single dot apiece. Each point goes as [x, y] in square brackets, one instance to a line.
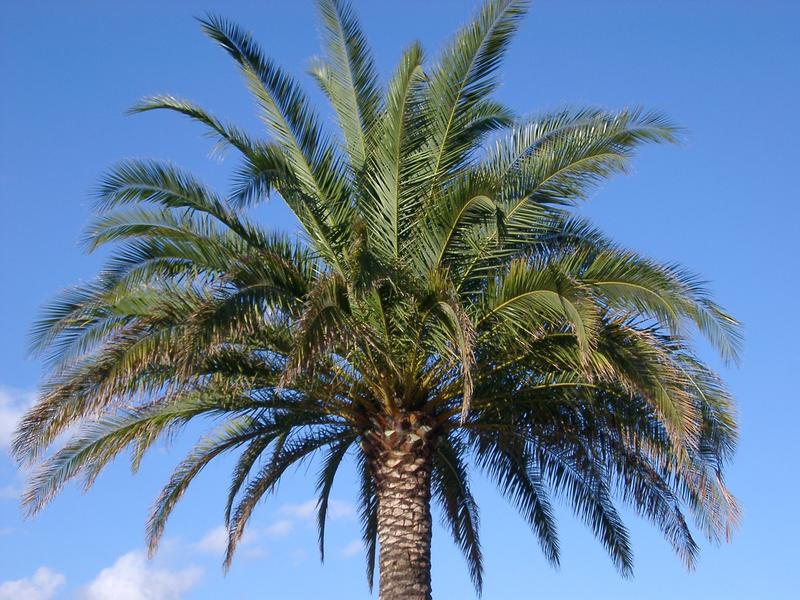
[441, 311]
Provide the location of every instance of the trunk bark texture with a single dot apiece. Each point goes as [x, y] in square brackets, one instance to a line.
[403, 478]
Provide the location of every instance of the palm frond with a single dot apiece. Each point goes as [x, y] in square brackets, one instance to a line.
[462, 80]
[229, 436]
[350, 78]
[325, 484]
[392, 197]
[459, 508]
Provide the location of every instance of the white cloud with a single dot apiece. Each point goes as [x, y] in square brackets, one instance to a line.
[214, 542]
[352, 549]
[42, 585]
[9, 492]
[298, 556]
[305, 510]
[131, 578]
[337, 509]
[279, 528]
[13, 404]
[257, 553]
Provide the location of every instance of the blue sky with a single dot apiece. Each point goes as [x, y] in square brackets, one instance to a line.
[725, 204]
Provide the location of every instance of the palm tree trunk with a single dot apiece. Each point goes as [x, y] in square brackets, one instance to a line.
[403, 478]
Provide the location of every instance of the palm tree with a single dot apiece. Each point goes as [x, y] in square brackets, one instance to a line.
[442, 311]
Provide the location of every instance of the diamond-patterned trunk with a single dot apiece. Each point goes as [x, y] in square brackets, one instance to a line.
[403, 477]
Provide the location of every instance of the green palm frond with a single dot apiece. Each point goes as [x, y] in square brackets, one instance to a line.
[230, 435]
[508, 462]
[460, 85]
[288, 453]
[350, 78]
[573, 473]
[225, 134]
[392, 194]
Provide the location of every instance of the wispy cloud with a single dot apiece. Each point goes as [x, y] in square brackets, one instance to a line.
[132, 578]
[280, 528]
[216, 540]
[42, 585]
[298, 556]
[255, 553]
[9, 492]
[13, 404]
[303, 511]
[351, 549]
[337, 509]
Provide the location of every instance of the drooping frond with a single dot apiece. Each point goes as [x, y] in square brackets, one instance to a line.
[291, 451]
[368, 514]
[231, 434]
[459, 508]
[507, 461]
[224, 133]
[324, 485]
